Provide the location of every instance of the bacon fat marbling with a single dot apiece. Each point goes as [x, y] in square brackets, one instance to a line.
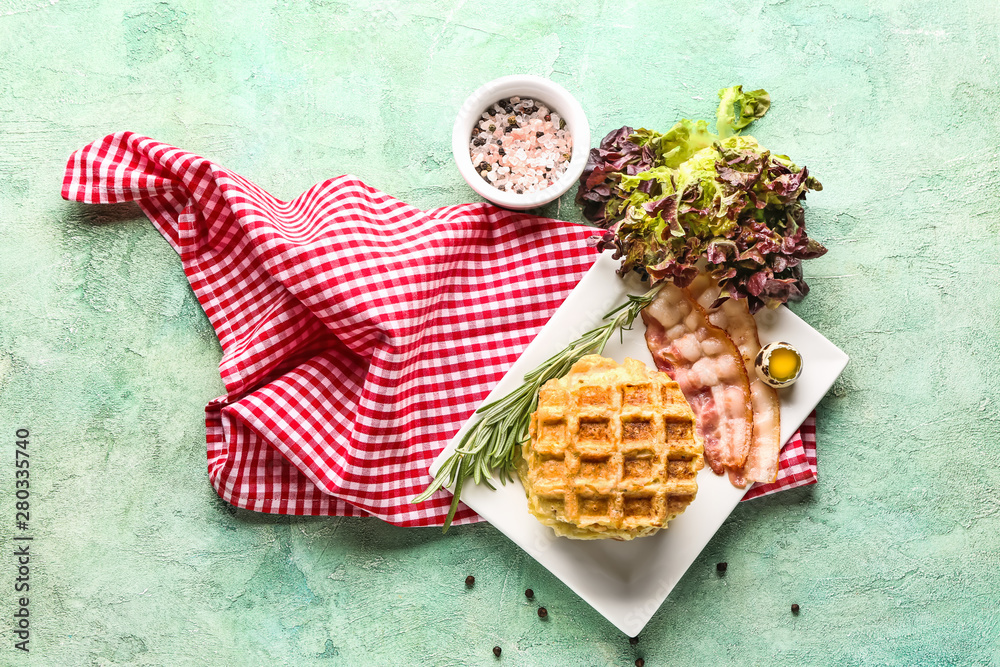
[734, 317]
[709, 368]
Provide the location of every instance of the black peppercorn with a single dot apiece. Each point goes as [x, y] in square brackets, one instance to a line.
[529, 593]
[795, 608]
[470, 580]
[539, 134]
[496, 651]
[502, 152]
[542, 612]
[721, 567]
[479, 141]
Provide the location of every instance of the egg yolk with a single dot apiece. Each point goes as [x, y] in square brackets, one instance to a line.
[783, 364]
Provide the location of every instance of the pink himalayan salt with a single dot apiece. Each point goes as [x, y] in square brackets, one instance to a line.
[526, 155]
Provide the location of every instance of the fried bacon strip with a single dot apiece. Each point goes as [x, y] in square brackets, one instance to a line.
[707, 365]
[734, 317]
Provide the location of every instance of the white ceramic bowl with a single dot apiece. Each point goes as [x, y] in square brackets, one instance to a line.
[555, 97]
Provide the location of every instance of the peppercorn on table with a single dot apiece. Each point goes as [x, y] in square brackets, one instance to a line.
[107, 360]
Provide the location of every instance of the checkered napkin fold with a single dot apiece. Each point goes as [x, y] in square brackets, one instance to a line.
[358, 332]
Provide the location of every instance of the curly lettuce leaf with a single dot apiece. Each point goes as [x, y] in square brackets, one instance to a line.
[688, 200]
[738, 109]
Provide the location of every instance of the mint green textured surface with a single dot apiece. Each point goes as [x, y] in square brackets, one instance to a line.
[105, 355]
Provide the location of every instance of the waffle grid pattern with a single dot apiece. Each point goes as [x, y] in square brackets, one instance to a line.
[613, 457]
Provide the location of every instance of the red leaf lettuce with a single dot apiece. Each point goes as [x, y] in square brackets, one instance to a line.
[688, 200]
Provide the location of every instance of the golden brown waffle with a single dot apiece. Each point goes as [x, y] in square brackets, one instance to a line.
[613, 451]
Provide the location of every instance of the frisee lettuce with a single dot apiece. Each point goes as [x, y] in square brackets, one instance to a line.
[688, 199]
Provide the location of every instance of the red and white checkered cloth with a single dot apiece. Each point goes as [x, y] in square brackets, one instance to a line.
[358, 333]
[796, 463]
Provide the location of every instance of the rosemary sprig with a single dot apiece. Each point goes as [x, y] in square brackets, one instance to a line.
[491, 445]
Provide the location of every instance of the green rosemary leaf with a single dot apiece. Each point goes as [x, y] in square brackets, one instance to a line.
[491, 446]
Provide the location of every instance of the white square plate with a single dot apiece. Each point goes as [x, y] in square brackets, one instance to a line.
[628, 581]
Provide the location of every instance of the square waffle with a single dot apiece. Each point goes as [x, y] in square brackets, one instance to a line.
[613, 451]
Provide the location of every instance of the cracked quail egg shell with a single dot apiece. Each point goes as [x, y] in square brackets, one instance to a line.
[778, 364]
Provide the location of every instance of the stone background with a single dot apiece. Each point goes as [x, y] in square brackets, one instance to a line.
[107, 358]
